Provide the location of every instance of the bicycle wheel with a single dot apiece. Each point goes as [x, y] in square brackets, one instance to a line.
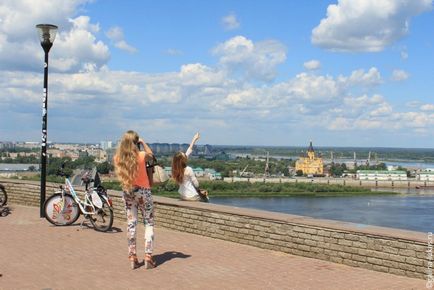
[3, 196]
[102, 219]
[60, 214]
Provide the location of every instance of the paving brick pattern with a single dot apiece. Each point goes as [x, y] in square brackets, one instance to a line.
[386, 250]
[36, 255]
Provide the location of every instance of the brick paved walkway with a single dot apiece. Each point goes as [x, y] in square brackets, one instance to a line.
[36, 255]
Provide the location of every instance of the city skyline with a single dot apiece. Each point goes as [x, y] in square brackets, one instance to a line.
[280, 73]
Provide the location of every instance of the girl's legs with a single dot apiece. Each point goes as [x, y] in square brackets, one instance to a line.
[131, 210]
[146, 206]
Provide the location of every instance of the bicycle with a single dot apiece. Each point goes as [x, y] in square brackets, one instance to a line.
[4, 210]
[3, 196]
[64, 207]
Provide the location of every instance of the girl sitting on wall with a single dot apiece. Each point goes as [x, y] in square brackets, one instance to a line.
[184, 176]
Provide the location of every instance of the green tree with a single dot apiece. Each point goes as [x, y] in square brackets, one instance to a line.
[337, 169]
[104, 167]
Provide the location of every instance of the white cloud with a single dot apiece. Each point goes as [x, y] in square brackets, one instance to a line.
[399, 75]
[383, 110]
[252, 60]
[169, 100]
[116, 35]
[312, 64]
[230, 22]
[75, 49]
[427, 107]
[340, 123]
[75, 44]
[200, 75]
[358, 77]
[366, 25]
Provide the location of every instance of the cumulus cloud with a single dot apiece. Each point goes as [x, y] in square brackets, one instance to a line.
[427, 107]
[312, 64]
[399, 75]
[366, 25]
[75, 45]
[78, 47]
[252, 60]
[359, 77]
[116, 35]
[230, 22]
[240, 92]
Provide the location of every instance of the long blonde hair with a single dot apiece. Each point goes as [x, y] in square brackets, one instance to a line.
[126, 161]
[179, 162]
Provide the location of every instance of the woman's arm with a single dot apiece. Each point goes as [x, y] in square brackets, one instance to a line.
[148, 151]
[189, 172]
[193, 141]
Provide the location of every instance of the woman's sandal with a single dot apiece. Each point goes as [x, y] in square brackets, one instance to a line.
[149, 262]
[134, 262]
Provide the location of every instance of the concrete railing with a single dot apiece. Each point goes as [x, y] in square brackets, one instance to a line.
[382, 249]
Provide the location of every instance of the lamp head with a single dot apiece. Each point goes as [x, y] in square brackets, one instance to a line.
[47, 34]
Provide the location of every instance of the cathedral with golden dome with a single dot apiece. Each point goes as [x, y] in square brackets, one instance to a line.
[310, 164]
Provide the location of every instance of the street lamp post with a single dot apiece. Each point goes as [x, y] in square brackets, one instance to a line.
[47, 34]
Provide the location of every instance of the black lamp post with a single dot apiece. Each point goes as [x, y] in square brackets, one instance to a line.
[47, 34]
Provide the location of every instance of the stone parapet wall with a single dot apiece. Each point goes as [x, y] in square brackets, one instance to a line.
[381, 249]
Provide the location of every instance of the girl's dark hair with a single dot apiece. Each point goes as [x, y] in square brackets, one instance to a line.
[179, 162]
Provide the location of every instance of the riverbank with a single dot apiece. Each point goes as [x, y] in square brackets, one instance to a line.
[263, 190]
[407, 183]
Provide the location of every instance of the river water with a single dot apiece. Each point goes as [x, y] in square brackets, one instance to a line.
[410, 210]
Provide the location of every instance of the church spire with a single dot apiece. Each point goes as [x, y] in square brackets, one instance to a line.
[310, 149]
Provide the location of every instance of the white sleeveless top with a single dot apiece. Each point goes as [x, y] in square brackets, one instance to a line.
[187, 187]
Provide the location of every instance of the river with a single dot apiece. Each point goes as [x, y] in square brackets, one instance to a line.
[409, 210]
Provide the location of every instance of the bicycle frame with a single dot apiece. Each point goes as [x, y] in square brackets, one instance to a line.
[82, 204]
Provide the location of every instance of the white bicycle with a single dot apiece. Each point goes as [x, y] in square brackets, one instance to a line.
[64, 207]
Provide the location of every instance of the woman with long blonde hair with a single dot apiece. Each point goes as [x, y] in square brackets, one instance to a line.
[184, 175]
[130, 167]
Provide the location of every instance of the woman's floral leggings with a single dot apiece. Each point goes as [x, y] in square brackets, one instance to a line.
[139, 198]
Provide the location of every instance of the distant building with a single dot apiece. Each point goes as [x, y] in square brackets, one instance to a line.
[106, 145]
[28, 145]
[310, 164]
[16, 167]
[426, 175]
[165, 148]
[7, 145]
[212, 174]
[14, 155]
[198, 171]
[99, 154]
[381, 175]
[168, 170]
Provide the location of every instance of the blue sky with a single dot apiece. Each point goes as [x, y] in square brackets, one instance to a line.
[340, 73]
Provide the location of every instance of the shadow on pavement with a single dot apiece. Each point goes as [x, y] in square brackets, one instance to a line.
[114, 230]
[167, 256]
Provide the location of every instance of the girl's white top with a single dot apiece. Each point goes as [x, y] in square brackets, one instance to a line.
[187, 188]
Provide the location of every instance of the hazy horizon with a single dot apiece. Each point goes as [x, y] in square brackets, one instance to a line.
[239, 145]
